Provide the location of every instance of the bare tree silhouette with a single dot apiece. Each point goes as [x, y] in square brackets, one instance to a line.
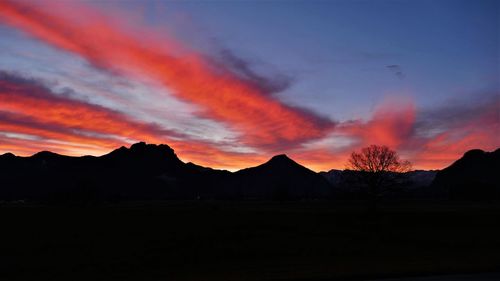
[379, 169]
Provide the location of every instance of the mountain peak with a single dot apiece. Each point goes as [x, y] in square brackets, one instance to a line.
[45, 154]
[281, 157]
[475, 156]
[142, 147]
[145, 149]
[8, 155]
[474, 153]
[147, 154]
[281, 160]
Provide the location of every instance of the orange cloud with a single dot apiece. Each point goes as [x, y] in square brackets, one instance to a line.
[33, 118]
[391, 125]
[75, 127]
[471, 125]
[32, 101]
[220, 94]
[430, 139]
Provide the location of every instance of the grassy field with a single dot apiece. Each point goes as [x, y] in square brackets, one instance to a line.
[247, 241]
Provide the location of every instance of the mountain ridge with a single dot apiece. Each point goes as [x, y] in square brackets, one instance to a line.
[149, 171]
[142, 171]
[473, 176]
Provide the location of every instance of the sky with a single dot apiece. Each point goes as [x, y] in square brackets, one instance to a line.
[229, 84]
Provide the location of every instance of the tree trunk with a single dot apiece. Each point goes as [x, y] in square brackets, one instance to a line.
[373, 200]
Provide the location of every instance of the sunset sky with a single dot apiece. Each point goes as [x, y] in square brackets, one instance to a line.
[229, 84]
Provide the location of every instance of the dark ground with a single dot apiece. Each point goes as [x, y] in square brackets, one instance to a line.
[247, 241]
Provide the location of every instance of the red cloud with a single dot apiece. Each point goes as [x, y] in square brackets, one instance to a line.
[475, 126]
[39, 119]
[221, 95]
[391, 125]
[430, 139]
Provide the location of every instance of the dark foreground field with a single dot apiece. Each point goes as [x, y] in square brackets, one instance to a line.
[247, 241]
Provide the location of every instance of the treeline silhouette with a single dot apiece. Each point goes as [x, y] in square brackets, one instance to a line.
[154, 172]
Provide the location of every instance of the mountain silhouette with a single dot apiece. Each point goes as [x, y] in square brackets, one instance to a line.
[474, 176]
[143, 171]
[280, 178]
[144, 159]
[154, 172]
[147, 172]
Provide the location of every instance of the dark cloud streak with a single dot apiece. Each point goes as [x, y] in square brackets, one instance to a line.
[243, 68]
[396, 70]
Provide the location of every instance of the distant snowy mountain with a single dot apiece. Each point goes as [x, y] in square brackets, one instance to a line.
[416, 179]
[421, 178]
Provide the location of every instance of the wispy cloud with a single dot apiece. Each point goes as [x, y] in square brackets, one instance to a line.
[445, 132]
[396, 70]
[32, 115]
[224, 89]
[431, 138]
[221, 95]
[391, 124]
[242, 67]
